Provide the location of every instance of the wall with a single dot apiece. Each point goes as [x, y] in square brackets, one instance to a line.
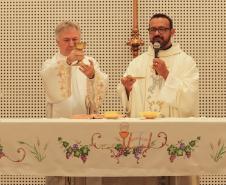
[27, 39]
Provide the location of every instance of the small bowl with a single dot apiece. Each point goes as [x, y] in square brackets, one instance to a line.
[111, 115]
[150, 115]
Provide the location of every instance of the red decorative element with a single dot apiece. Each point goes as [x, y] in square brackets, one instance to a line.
[19, 150]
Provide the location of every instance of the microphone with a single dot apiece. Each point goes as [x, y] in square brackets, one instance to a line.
[156, 47]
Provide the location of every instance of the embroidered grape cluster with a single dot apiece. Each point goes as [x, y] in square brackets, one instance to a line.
[75, 150]
[182, 148]
[125, 151]
[137, 151]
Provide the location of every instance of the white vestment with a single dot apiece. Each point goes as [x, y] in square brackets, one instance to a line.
[177, 96]
[69, 91]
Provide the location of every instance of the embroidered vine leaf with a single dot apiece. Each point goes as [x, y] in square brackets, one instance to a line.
[181, 149]
[75, 150]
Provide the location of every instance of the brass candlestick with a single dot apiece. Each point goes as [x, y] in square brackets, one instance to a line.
[135, 42]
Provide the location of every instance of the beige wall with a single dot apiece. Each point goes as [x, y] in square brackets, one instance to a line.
[27, 39]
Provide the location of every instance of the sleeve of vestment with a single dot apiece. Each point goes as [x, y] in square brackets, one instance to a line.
[181, 86]
[96, 88]
[126, 103]
[56, 80]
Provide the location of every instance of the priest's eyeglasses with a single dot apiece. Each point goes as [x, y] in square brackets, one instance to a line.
[161, 30]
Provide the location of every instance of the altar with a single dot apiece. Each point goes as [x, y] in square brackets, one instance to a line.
[113, 147]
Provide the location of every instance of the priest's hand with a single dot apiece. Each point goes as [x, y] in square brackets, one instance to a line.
[88, 70]
[160, 67]
[128, 82]
[75, 55]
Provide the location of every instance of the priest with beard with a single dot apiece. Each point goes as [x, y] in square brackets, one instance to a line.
[164, 79]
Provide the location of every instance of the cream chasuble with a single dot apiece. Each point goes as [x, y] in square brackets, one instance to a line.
[177, 96]
[69, 91]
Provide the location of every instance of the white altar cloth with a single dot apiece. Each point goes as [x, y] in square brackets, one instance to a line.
[121, 147]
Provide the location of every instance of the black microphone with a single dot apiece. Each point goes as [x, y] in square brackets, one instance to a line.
[156, 47]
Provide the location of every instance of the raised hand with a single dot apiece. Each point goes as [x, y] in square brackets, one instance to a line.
[160, 67]
[75, 55]
[88, 70]
[128, 82]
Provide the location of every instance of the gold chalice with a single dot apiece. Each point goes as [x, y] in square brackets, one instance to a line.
[80, 45]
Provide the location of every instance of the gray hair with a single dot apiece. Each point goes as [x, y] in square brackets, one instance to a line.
[64, 25]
